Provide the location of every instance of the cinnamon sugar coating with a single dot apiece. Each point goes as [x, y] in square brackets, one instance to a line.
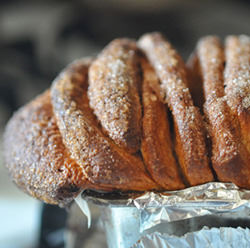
[126, 121]
[157, 147]
[103, 162]
[36, 157]
[114, 82]
[237, 82]
[189, 128]
[229, 155]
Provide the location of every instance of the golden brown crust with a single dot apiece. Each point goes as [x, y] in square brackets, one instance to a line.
[157, 148]
[228, 153]
[190, 134]
[62, 142]
[114, 82]
[211, 63]
[237, 83]
[103, 162]
[36, 157]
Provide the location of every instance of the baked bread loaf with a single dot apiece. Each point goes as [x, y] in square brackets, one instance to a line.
[227, 104]
[127, 121]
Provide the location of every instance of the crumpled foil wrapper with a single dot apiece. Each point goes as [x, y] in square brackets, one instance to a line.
[174, 213]
[214, 237]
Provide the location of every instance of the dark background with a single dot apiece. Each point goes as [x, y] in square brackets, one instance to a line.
[38, 38]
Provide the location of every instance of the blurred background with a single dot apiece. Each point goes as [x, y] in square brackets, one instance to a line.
[38, 38]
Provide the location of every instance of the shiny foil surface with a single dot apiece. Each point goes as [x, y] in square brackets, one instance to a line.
[214, 237]
[153, 217]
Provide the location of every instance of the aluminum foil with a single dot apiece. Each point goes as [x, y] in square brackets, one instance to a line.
[214, 237]
[173, 213]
